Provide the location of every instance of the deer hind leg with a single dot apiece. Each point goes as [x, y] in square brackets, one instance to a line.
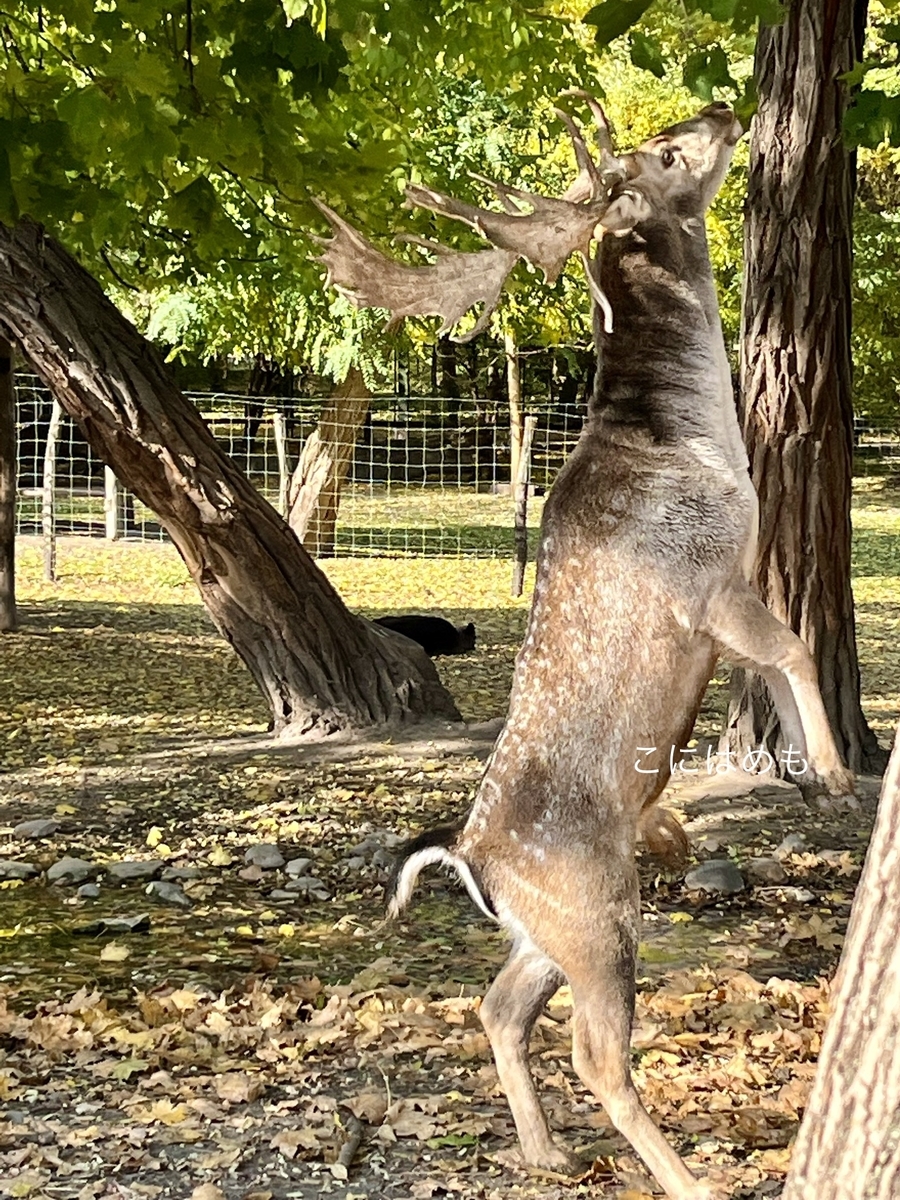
[602, 979]
[508, 1013]
[750, 635]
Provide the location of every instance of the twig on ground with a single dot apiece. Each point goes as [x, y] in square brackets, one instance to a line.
[353, 1128]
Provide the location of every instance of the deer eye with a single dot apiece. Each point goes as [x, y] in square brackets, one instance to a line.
[667, 157]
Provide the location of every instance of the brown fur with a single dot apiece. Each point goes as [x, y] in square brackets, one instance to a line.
[647, 540]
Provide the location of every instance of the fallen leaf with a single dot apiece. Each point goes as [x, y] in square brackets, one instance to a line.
[114, 952]
[207, 1191]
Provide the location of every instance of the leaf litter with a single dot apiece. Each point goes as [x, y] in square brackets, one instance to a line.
[237, 1048]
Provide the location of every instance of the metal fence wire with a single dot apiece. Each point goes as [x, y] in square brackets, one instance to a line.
[427, 475]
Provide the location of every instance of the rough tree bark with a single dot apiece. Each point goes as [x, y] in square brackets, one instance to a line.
[315, 490]
[796, 364]
[7, 490]
[320, 668]
[848, 1147]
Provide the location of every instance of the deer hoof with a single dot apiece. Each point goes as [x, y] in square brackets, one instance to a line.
[830, 793]
[556, 1160]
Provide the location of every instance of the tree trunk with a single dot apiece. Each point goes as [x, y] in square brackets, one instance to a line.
[315, 490]
[7, 490]
[848, 1147]
[796, 365]
[320, 668]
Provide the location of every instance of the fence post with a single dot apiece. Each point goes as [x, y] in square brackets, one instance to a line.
[7, 489]
[113, 505]
[279, 428]
[520, 487]
[514, 388]
[48, 492]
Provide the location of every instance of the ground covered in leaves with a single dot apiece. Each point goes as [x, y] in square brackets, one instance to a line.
[236, 1031]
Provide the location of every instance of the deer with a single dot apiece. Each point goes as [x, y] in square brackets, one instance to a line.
[648, 538]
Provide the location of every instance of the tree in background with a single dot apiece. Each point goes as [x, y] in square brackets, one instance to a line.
[170, 145]
[796, 306]
[796, 367]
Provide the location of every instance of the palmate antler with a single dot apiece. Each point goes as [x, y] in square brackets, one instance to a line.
[545, 236]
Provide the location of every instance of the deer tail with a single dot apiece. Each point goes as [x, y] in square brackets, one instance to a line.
[433, 846]
[664, 836]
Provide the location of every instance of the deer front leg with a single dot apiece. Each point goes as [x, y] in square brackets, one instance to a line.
[508, 1013]
[751, 636]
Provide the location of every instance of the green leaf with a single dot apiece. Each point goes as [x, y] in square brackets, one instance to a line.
[86, 111]
[873, 118]
[612, 18]
[646, 55]
[719, 10]
[747, 13]
[747, 103]
[315, 11]
[705, 70]
[193, 207]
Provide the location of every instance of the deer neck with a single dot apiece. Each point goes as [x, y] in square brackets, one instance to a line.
[663, 371]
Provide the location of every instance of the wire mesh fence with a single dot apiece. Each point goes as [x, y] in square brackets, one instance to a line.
[426, 475]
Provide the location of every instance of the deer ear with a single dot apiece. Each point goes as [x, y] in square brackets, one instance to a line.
[627, 210]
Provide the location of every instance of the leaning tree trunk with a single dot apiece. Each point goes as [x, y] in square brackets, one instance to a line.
[848, 1147]
[7, 490]
[796, 364]
[320, 668]
[315, 490]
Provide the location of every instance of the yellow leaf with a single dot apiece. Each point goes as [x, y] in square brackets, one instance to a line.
[66, 810]
[678, 918]
[286, 931]
[114, 953]
[24, 1185]
[289, 1141]
[220, 857]
[207, 1191]
[10, 932]
[163, 1111]
[154, 837]
[244, 930]
[237, 1087]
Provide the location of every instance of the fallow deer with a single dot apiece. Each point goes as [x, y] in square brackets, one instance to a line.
[647, 541]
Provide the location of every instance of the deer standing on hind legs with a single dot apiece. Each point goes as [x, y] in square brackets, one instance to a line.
[647, 541]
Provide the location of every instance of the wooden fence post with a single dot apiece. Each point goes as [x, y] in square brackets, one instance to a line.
[48, 492]
[7, 489]
[113, 505]
[279, 428]
[520, 490]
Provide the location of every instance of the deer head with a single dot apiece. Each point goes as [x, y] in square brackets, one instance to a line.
[675, 174]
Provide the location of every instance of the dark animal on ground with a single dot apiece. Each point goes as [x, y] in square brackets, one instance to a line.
[434, 634]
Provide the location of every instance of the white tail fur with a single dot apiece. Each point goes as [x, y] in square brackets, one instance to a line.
[408, 874]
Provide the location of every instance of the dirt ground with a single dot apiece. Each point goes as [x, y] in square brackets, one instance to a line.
[236, 1045]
